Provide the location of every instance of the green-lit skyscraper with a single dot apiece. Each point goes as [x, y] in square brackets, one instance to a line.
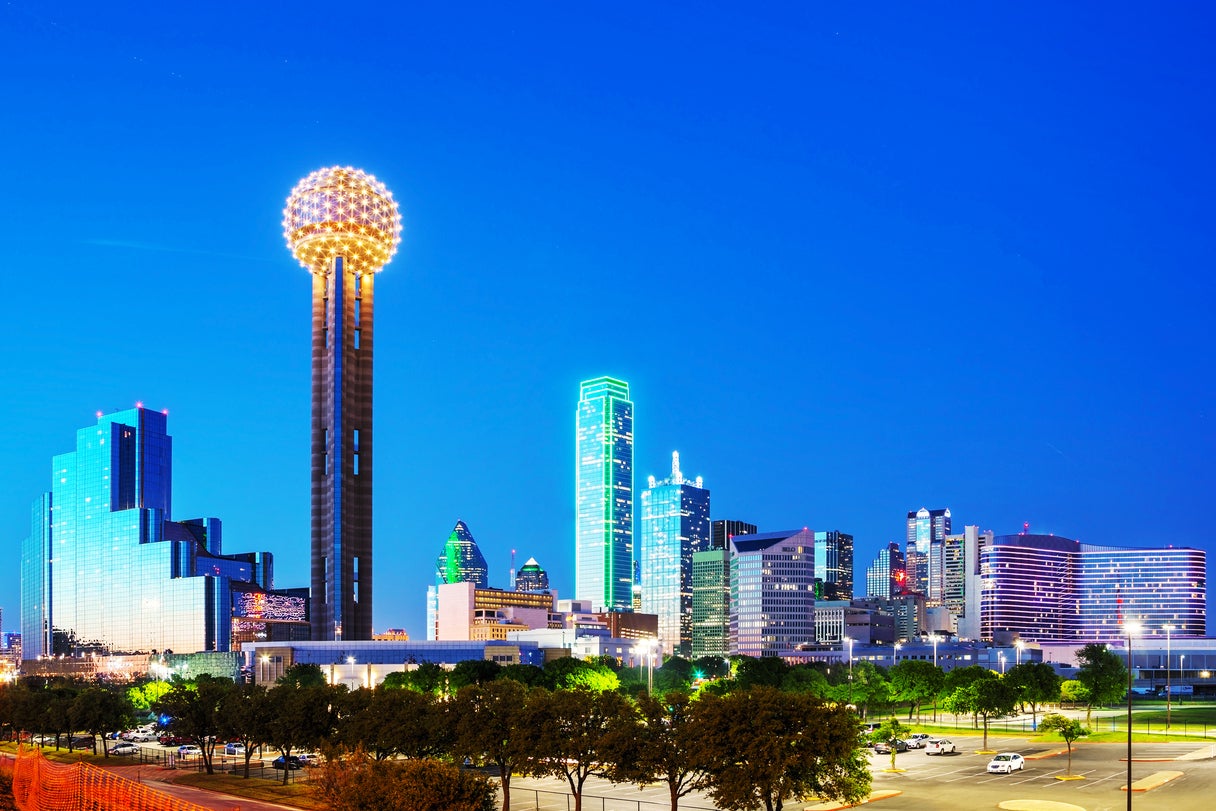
[603, 533]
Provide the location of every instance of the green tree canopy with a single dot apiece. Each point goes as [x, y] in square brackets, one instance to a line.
[916, 682]
[658, 745]
[98, 710]
[193, 709]
[1068, 728]
[763, 747]
[473, 671]
[301, 717]
[569, 673]
[303, 675]
[490, 727]
[1103, 674]
[1035, 683]
[675, 674]
[767, 671]
[245, 715]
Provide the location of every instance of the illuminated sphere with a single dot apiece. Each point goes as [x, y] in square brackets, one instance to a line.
[342, 211]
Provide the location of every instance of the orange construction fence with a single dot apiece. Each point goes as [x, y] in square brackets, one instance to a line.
[39, 785]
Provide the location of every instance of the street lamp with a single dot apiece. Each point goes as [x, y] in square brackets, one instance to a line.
[1002, 658]
[265, 662]
[645, 648]
[1131, 629]
[1020, 644]
[895, 653]
[849, 639]
[1168, 697]
[934, 640]
[350, 660]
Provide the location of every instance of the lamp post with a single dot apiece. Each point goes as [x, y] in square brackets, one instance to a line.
[1129, 629]
[1020, 644]
[1002, 658]
[933, 638]
[895, 653]
[350, 660]
[1168, 658]
[265, 661]
[1181, 659]
[849, 639]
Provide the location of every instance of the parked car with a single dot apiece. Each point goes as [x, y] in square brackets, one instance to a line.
[884, 747]
[309, 758]
[1006, 763]
[234, 749]
[44, 740]
[124, 748]
[82, 742]
[145, 736]
[189, 750]
[292, 763]
[939, 746]
[917, 740]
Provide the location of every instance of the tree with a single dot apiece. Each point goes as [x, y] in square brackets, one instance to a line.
[986, 698]
[527, 675]
[1103, 675]
[1073, 692]
[867, 689]
[710, 667]
[143, 696]
[567, 730]
[194, 712]
[805, 678]
[473, 671]
[1068, 728]
[98, 710]
[767, 671]
[245, 714]
[427, 677]
[568, 673]
[890, 731]
[300, 717]
[915, 682]
[762, 747]
[657, 745]
[675, 674]
[1035, 683]
[490, 722]
[358, 784]
[303, 675]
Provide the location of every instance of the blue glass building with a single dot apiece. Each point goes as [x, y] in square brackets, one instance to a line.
[675, 525]
[105, 569]
[603, 571]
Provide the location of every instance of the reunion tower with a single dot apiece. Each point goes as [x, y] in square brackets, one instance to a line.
[343, 226]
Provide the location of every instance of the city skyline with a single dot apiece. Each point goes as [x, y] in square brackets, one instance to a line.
[1019, 207]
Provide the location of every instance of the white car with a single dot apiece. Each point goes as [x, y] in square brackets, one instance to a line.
[234, 749]
[1006, 763]
[939, 746]
[142, 737]
[188, 750]
[917, 740]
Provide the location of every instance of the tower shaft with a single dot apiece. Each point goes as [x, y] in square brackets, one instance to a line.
[341, 453]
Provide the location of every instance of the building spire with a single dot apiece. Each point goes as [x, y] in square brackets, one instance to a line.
[676, 476]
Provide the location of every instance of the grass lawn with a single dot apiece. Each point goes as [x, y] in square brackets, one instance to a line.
[299, 795]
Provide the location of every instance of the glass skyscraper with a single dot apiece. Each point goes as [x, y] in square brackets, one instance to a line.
[886, 576]
[106, 569]
[711, 603]
[675, 525]
[923, 552]
[833, 566]
[604, 495]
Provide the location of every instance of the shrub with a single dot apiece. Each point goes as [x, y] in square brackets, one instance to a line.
[358, 784]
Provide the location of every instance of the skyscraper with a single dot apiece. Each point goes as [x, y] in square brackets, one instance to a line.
[711, 603]
[723, 529]
[604, 495]
[886, 576]
[461, 560]
[926, 528]
[531, 577]
[772, 592]
[343, 226]
[833, 566]
[675, 525]
[106, 569]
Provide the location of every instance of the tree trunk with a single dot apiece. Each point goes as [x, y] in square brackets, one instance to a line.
[985, 731]
[674, 792]
[504, 779]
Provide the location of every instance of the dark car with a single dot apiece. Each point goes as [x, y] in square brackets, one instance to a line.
[884, 747]
[292, 762]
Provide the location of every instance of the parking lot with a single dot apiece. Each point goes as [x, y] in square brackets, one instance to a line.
[961, 781]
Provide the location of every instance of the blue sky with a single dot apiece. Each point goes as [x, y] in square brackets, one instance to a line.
[852, 261]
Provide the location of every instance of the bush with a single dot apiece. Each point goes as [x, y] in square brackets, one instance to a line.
[358, 784]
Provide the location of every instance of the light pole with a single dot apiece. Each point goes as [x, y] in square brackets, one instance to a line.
[895, 653]
[934, 640]
[265, 661]
[1129, 629]
[350, 660]
[1181, 659]
[849, 639]
[1020, 644]
[1002, 658]
[1168, 659]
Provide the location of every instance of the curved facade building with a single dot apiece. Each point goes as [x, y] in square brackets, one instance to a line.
[1047, 588]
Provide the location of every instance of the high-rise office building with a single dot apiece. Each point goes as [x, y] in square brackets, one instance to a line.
[925, 529]
[461, 560]
[1047, 588]
[723, 529]
[833, 566]
[772, 592]
[343, 226]
[531, 577]
[711, 603]
[886, 577]
[674, 526]
[604, 495]
[107, 570]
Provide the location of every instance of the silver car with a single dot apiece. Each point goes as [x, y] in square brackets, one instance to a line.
[939, 746]
[1006, 763]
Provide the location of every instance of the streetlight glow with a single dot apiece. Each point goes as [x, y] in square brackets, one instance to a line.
[1168, 695]
[1131, 628]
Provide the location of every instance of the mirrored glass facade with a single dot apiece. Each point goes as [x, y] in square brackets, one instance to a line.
[604, 495]
[675, 525]
[105, 569]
